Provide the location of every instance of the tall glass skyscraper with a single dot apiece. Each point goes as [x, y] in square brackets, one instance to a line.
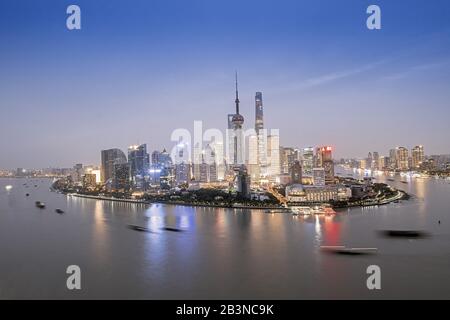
[139, 162]
[261, 134]
[259, 115]
[109, 158]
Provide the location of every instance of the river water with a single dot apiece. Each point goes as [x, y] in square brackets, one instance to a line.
[221, 253]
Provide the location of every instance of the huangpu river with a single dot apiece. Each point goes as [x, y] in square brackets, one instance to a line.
[221, 253]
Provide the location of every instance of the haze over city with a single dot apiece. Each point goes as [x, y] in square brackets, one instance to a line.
[134, 73]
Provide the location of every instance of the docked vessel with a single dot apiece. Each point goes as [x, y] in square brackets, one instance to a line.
[315, 210]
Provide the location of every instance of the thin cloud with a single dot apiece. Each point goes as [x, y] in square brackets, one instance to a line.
[416, 68]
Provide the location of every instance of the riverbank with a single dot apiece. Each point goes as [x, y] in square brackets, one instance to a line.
[177, 203]
[400, 195]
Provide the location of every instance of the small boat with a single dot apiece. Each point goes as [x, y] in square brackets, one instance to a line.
[348, 251]
[60, 211]
[138, 228]
[404, 181]
[40, 204]
[172, 229]
[27, 194]
[403, 233]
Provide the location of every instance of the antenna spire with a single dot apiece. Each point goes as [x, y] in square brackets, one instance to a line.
[237, 94]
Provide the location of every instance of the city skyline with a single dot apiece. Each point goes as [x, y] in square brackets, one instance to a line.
[76, 93]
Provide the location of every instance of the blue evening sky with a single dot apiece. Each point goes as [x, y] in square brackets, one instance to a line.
[137, 70]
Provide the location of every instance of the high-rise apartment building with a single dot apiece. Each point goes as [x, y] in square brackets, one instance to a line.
[402, 157]
[418, 156]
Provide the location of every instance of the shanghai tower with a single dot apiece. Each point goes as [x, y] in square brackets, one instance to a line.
[259, 122]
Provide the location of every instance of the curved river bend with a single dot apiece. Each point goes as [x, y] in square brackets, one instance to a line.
[222, 253]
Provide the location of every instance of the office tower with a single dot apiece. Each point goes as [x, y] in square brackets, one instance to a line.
[369, 161]
[286, 155]
[208, 166]
[237, 121]
[307, 161]
[213, 173]
[155, 175]
[182, 165]
[402, 156]
[328, 166]
[182, 173]
[261, 134]
[165, 160]
[318, 158]
[197, 160]
[203, 174]
[418, 156]
[296, 172]
[262, 153]
[324, 160]
[252, 161]
[392, 159]
[273, 154]
[296, 155]
[109, 158]
[156, 155]
[121, 177]
[217, 146]
[382, 163]
[243, 182]
[139, 161]
[375, 160]
[318, 176]
[259, 115]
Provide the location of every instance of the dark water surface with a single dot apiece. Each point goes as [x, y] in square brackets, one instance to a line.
[222, 253]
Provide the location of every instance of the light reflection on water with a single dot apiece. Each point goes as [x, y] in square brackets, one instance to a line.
[220, 253]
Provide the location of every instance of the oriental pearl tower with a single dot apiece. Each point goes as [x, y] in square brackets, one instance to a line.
[237, 122]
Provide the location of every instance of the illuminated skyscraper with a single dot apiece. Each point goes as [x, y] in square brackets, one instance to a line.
[307, 161]
[182, 164]
[273, 150]
[259, 115]
[286, 162]
[402, 156]
[252, 161]
[261, 134]
[197, 156]
[325, 160]
[418, 156]
[369, 161]
[139, 161]
[217, 146]
[392, 159]
[375, 160]
[208, 166]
